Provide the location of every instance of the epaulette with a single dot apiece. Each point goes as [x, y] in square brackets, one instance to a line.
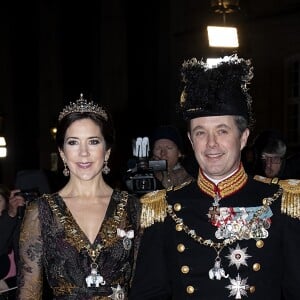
[290, 204]
[154, 208]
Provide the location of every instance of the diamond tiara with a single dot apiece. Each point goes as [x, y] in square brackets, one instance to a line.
[82, 106]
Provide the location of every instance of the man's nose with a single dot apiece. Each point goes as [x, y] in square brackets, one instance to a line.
[268, 162]
[211, 140]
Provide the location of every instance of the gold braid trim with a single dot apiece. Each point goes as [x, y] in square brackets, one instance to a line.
[180, 186]
[74, 236]
[226, 187]
[290, 204]
[154, 208]
[264, 179]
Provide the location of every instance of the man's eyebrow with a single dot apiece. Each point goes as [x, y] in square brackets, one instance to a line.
[223, 125]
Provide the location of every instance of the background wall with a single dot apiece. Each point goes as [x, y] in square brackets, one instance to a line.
[126, 54]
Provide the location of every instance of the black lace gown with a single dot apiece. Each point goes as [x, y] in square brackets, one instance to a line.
[53, 243]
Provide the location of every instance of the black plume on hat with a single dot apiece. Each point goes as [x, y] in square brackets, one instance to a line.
[217, 90]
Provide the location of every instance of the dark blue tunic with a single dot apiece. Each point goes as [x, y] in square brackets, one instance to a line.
[173, 265]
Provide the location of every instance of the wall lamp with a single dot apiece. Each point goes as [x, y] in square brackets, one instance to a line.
[3, 149]
[53, 131]
[223, 36]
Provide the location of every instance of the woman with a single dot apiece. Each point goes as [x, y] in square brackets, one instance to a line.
[84, 236]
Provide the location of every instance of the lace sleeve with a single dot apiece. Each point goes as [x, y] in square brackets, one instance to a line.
[30, 279]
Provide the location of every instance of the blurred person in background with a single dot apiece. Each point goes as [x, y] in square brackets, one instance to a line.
[10, 201]
[271, 157]
[167, 144]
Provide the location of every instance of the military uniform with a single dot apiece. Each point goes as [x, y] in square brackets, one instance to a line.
[235, 240]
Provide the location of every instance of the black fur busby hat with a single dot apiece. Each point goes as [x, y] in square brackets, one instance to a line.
[216, 90]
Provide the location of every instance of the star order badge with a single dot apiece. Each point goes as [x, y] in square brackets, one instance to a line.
[118, 293]
[238, 256]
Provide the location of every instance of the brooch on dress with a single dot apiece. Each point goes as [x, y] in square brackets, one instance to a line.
[127, 237]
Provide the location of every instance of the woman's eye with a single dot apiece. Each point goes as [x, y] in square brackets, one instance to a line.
[94, 142]
[72, 142]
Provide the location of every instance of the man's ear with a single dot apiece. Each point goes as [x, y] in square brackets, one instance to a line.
[190, 139]
[244, 138]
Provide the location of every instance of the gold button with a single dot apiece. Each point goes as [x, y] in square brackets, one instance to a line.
[252, 289]
[259, 244]
[180, 247]
[190, 289]
[256, 267]
[177, 206]
[178, 227]
[185, 269]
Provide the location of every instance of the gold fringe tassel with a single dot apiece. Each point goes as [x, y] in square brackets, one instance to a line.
[154, 208]
[290, 204]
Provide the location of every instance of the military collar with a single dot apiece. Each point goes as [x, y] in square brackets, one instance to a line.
[226, 187]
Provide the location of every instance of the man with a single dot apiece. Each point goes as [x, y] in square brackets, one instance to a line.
[271, 160]
[167, 145]
[223, 236]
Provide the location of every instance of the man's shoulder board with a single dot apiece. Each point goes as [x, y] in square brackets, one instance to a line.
[290, 204]
[182, 185]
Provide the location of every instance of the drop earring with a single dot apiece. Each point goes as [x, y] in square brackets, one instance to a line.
[66, 171]
[105, 169]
